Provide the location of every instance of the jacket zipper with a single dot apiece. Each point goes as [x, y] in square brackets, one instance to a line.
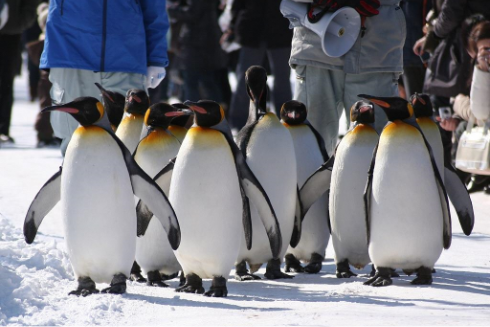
[104, 31]
[61, 7]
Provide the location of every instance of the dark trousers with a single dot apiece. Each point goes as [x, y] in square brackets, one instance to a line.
[202, 85]
[10, 53]
[281, 91]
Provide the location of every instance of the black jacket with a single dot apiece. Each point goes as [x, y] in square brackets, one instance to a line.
[198, 41]
[256, 21]
[454, 12]
[22, 14]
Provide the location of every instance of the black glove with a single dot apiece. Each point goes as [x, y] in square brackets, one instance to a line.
[366, 8]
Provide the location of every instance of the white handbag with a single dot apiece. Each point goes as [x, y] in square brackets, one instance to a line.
[473, 154]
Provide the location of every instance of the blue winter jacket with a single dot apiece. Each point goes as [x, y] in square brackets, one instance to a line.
[106, 35]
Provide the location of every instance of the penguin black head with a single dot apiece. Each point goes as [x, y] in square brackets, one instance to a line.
[362, 112]
[137, 102]
[293, 112]
[256, 80]
[422, 106]
[396, 108]
[160, 114]
[86, 110]
[183, 120]
[207, 113]
[113, 104]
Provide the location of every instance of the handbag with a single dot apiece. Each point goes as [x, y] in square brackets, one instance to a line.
[473, 154]
[449, 68]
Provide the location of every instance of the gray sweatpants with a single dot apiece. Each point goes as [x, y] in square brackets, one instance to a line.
[69, 84]
[326, 93]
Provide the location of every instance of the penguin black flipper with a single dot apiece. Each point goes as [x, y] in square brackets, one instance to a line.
[298, 220]
[368, 191]
[143, 213]
[460, 198]
[243, 137]
[319, 139]
[255, 192]
[317, 184]
[151, 194]
[47, 197]
[447, 229]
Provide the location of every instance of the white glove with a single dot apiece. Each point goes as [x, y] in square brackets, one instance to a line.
[154, 76]
[4, 15]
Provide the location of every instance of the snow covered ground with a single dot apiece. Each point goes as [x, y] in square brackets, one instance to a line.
[35, 279]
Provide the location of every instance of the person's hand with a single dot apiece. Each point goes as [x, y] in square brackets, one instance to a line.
[154, 76]
[366, 8]
[483, 59]
[449, 124]
[418, 47]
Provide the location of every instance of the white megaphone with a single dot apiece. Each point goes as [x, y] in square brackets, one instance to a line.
[338, 30]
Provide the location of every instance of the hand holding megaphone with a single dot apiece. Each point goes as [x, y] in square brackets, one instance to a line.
[338, 30]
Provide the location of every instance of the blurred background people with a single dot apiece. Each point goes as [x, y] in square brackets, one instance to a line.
[21, 15]
[263, 34]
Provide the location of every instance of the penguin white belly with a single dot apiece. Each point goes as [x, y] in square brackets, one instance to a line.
[315, 233]
[97, 206]
[406, 214]
[271, 157]
[205, 195]
[129, 131]
[347, 214]
[153, 251]
[433, 136]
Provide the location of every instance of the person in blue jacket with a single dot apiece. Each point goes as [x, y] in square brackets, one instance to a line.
[119, 44]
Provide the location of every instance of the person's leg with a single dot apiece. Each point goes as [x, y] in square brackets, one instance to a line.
[191, 85]
[9, 53]
[240, 102]
[67, 85]
[321, 90]
[42, 124]
[413, 79]
[376, 84]
[210, 84]
[279, 62]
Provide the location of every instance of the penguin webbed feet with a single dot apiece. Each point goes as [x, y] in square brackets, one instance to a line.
[118, 285]
[343, 270]
[273, 270]
[193, 284]
[136, 275]
[315, 264]
[86, 286]
[381, 278]
[218, 288]
[424, 276]
[292, 264]
[242, 274]
[155, 279]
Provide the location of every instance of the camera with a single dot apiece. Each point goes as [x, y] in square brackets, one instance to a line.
[445, 113]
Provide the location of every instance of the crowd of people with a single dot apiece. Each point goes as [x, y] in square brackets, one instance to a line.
[411, 46]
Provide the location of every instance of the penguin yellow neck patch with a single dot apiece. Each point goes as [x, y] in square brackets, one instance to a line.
[100, 108]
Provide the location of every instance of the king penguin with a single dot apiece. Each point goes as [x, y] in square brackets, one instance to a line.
[309, 148]
[153, 251]
[210, 188]
[456, 190]
[268, 148]
[114, 105]
[131, 127]
[407, 212]
[96, 186]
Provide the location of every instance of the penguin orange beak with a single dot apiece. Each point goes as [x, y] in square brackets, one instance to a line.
[380, 103]
[135, 98]
[61, 108]
[364, 109]
[197, 109]
[416, 98]
[178, 113]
